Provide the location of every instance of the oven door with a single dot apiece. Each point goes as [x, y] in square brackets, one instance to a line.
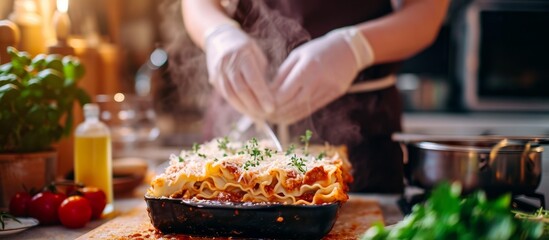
[503, 55]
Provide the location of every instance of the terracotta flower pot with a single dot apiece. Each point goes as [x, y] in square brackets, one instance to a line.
[32, 170]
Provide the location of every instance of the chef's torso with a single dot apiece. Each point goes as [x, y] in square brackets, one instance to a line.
[363, 120]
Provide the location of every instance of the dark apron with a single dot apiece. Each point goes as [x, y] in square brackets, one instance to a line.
[363, 121]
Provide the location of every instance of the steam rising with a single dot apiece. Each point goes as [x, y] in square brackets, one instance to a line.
[277, 35]
[186, 61]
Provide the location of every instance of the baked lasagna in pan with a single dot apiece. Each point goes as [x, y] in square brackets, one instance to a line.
[252, 171]
[248, 189]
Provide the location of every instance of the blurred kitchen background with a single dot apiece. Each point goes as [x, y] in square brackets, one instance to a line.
[487, 72]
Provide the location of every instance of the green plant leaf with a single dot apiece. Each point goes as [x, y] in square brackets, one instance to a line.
[12, 78]
[51, 78]
[36, 82]
[76, 66]
[39, 62]
[16, 68]
[36, 115]
[19, 58]
[9, 78]
[8, 93]
[69, 69]
[35, 95]
[5, 68]
[54, 61]
[449, 215]
[503, 202]
[53, 114]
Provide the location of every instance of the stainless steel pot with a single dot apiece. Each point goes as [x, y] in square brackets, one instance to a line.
[495, 166]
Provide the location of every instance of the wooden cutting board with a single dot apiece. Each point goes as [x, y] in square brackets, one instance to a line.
[354, 218]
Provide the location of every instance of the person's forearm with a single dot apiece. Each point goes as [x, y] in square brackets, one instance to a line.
[406, 31]
[201, 15]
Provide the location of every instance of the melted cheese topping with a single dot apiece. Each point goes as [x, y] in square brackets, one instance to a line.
[253, 172]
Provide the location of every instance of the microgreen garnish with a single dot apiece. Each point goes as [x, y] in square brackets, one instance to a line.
[252, 148]
[222, 143]
[196, 147]
[305, 140]
[224, 155]
[290, 150]
[254, 143]
[299, 163]
[268, 152]
[202, 155]
[5, 215]
[256, 153]
[181, 159]
[249, 164]
[321, 155]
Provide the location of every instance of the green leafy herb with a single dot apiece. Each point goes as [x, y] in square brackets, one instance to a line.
[202, 155]
[252, 148]
[268, 152]
[222, 143]
[4, 216]
[37, 98]
[181, 159]
[196, 147]
[321, 155]
[541, 215]
[253, 143]
[290, 150]
[249, 164]
[447, 215]
[299, 163]
[305, 140]
[256, 154]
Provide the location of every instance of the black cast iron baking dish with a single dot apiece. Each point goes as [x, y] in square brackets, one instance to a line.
[241, 220]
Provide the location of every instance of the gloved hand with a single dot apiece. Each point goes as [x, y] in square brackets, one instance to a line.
[318, 72]
[237, 69]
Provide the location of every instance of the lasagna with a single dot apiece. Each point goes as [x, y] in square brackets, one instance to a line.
[254, 172]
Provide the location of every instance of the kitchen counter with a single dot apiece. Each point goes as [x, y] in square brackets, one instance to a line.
[121, 205]
[127, 205]
[513, 124]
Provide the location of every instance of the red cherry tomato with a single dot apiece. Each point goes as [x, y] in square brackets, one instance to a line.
[75, 212]
[97, 199]
[43, 206]
[19, 204]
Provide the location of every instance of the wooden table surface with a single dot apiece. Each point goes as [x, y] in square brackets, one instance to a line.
[354, 218]
[131, 221]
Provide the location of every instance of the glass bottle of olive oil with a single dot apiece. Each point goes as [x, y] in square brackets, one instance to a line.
[92, 154]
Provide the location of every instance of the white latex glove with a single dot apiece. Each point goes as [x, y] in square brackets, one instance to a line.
[237, 69]
[318, 72]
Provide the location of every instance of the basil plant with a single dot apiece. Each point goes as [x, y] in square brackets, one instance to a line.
[37, 96]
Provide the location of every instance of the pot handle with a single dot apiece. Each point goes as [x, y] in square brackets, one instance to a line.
[505, 143]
